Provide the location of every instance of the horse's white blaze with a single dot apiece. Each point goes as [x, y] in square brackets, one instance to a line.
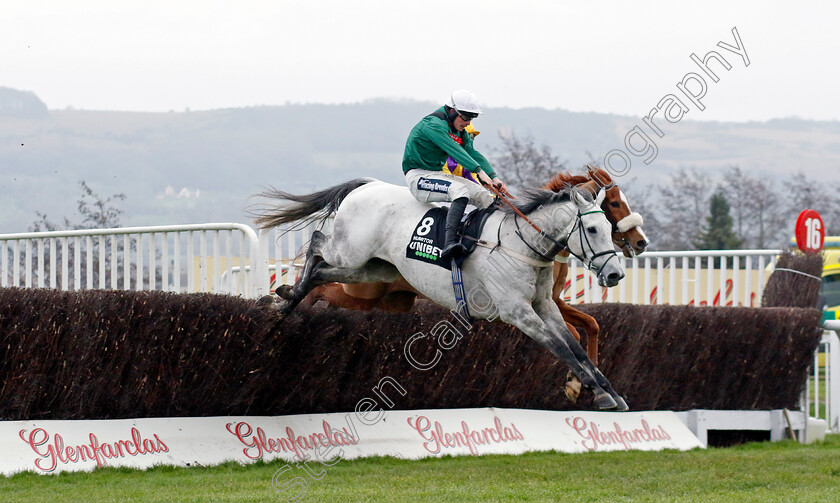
[630, 221]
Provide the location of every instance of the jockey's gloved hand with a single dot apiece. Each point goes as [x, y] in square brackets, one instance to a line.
[500, 186]
[483, 178]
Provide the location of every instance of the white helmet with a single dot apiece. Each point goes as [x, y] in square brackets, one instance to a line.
[464, 101]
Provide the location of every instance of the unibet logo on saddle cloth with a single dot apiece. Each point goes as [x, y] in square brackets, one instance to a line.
[428, 238]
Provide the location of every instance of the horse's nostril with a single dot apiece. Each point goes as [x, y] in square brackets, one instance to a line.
[642, 244]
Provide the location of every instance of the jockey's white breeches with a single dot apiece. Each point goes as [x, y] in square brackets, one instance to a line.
[438, 187]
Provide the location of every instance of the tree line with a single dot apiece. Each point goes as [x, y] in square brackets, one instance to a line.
[692, 209]
[735, 209]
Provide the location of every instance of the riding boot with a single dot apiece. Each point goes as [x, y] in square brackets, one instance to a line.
[452, 246]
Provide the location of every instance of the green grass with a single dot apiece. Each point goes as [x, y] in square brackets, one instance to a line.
[762, 472]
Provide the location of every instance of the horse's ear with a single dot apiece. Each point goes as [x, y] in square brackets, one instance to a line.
[602, 194]
[582, 197]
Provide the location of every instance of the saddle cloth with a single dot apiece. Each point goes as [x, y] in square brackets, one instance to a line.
[427, 240]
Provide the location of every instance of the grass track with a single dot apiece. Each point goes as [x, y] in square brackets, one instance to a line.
[760, 472]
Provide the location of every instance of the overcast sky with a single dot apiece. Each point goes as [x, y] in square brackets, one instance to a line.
[609, 57]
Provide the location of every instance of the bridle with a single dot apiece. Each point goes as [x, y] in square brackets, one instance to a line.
[588, 261]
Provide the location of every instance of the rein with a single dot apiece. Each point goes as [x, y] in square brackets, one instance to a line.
[559, 245]
[518, 213]
[546, 256]
[514, 208]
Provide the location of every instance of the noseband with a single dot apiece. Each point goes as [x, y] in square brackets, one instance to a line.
[589, 261]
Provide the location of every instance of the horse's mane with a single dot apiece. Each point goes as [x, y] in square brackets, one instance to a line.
[532, 199]
[557, 190]
[564, 180]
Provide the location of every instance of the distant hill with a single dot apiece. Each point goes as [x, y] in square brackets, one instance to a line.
[14, 103]
[186, 167]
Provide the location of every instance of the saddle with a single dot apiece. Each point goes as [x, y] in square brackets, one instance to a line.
[427, 240]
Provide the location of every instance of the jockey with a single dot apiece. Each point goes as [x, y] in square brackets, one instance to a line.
[438, 136]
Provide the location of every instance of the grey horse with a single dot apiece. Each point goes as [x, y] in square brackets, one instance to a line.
[509, 277]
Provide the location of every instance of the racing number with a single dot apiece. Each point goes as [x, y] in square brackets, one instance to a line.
[813, 236]
[425, 226]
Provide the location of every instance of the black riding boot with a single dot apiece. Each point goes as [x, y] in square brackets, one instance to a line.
[452, 247]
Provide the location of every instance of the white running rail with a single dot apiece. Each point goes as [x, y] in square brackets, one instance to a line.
[822, 390]
[713, 278]
[173, 258]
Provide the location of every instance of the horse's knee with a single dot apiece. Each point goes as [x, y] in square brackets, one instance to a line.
[590, 325]
[573, 330]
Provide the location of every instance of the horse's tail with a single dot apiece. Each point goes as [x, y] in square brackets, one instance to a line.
[306, 208]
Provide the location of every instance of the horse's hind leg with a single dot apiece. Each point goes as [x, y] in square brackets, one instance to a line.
[373, 271]
[294, 295]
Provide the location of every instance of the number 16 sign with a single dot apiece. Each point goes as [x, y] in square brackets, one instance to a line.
[809, 232]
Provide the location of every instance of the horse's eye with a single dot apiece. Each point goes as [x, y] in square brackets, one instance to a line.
[592, 230]
[615, 204]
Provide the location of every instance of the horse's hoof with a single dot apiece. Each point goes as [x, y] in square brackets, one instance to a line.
[285, 291]
[605, 402]
[621, 404]
[573, 387]
[265, 301]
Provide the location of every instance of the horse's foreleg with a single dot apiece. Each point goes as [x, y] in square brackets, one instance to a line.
[572, 330]
[586, 322]
[573, 384]
[560, 273]
[572, 316]
[557, 339]
[548, 313]
[580, 319]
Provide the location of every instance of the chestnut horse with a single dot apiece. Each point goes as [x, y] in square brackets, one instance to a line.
[627, 235]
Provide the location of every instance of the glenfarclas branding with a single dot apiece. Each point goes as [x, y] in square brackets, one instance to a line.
[257, 443]
[436, 439]
[52, 452]
[593, 436]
